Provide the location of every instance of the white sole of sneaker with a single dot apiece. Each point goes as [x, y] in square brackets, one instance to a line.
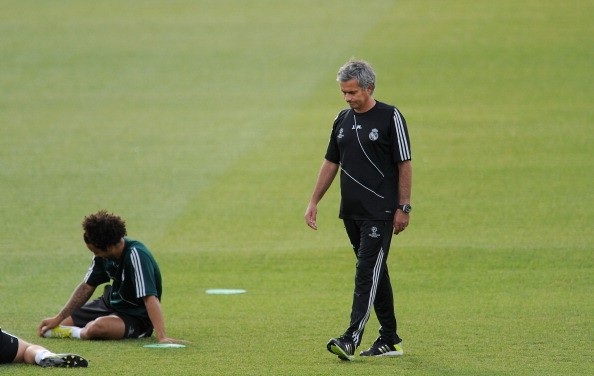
[391, 353]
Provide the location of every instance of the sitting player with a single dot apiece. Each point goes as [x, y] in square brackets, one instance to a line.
[130, 307]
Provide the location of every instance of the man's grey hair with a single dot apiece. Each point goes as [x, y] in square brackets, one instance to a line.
[359, 70]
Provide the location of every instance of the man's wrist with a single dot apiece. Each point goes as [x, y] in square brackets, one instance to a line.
[406, 208]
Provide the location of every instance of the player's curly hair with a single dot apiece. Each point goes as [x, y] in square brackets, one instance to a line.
[103, 229]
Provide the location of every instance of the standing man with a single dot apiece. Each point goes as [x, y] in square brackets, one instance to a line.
[370, 144]
[131, 307]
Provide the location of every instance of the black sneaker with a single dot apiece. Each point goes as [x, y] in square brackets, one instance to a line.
[64, 361]
[383, 348]
[343, 347]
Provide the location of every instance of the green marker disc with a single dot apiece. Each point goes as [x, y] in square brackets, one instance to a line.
[164, 345]
[225, 291]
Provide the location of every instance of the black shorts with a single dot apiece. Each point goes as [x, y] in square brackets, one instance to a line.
[9, 346]
[136, 327]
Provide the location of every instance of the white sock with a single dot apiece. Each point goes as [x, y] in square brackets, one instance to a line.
[42, 354]
[75, 332]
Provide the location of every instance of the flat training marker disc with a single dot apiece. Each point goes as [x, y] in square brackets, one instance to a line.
[164, 345]
[225, 291]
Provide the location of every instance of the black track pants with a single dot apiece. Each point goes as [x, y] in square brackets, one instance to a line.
[373, 289]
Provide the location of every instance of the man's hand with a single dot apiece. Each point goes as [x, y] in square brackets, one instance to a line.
[47, 324]
[325, 177]
[400, 221]
[310, 216]
[173, 340]
[153, 307]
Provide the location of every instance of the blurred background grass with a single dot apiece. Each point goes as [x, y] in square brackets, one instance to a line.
[204, 125]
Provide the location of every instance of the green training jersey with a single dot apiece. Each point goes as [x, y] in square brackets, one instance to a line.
[135, 275]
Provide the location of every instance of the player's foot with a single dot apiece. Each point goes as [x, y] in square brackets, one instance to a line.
[343, 347]
[64, 361]
[383, 348]
[58, 332]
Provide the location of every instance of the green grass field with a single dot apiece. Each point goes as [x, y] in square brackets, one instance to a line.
[204, 123]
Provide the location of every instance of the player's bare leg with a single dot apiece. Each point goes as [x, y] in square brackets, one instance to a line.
[107, 327]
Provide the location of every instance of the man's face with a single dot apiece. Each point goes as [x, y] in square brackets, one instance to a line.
[103, 253]
[359, 99]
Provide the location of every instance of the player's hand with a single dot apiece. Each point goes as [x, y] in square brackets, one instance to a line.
[47, 324]
[173, 340]
[310, 216]
[400, 221]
